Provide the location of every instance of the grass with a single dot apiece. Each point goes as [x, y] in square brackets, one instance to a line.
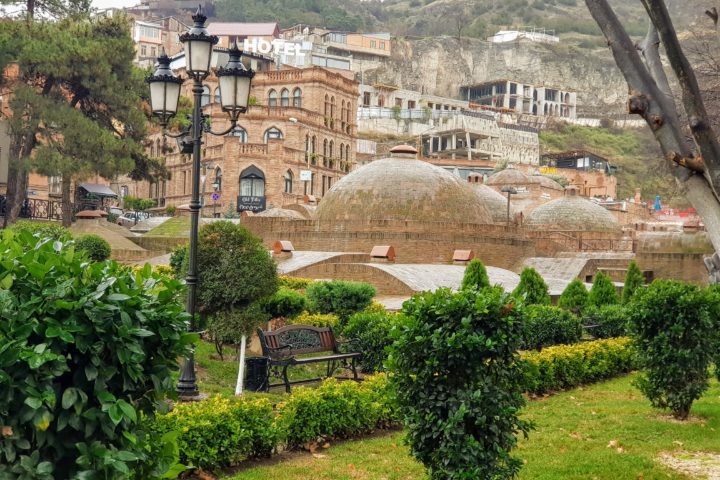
[175, 227]
[573, 432]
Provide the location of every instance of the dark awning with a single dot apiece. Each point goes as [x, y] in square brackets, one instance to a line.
[98, 190]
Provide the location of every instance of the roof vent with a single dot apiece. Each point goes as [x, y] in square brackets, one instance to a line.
[283, 248]
[383, 253]
[403, 151]
[463, 257]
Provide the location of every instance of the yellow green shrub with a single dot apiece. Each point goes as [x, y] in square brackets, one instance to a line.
[314, 319]
[293, 282]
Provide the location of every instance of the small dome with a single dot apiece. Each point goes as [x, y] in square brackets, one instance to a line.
[509, 176]
[402, 189]
[281, 213]
[495, 203]
[547, 182]
[572, 213]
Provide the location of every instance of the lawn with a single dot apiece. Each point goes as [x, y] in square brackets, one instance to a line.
[606, 431]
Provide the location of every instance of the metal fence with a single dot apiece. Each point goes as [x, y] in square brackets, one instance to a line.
[36, 209]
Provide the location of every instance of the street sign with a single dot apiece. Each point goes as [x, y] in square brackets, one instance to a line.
[305, 175]
[215, 196]
[250, 204]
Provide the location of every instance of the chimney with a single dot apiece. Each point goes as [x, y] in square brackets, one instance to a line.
[283, 249]
[403, 151]
[462, 257]
[383, 254]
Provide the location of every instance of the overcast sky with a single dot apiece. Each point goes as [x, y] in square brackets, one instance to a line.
[114, 3]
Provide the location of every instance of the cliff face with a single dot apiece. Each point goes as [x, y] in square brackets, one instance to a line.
[440, 65]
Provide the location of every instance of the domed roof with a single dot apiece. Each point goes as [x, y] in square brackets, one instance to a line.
[281, 213]
[547, 182]
[508, 176]
[495, 203]
[402, 189]
[572, 213]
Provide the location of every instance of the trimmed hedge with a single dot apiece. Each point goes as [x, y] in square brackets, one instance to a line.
[545, 325]
[314, 319]
[340, 297]
[369, 333]
[567, 366]
[285, 303]
[94, 247]
[611, 321]
[294, 283]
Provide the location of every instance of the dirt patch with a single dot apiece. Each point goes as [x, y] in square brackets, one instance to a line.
[701, 465]
[691, 420]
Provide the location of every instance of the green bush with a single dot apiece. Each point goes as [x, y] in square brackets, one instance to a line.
[449, 348]
[228, 326]
[285, 303]
[475, 276]
[674, 329]
[294, 283]
[54, 231]
[94, 246]
[568, 366]
[634, 279]
[87, 350]
[545, 325]
[339, 297]
[177, 259]
[610, 321]
[221, 432]
[574, 298]
[314, 319]
[112, 217]
[369, 333]
[603, 292]
[532, 288]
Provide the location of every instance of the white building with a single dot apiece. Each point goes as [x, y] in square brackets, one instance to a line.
[525, 98]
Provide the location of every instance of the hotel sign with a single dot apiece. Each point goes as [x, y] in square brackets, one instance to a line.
[250, 204]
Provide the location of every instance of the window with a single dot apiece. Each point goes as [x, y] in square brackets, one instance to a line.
[184, 182]
[239, 132]
[513, 89]
[307, 148]
[284, 98]
[205, 97]
[273, 133]
[297, 98]
[323, 184]
[143, 50]
[153, 52]
[252, 182]
[398, 102]
[373, 44]
[381, 100]
[411, 104]
[330, 150]
[149, 32]
[366, 99]
[272, 98]
[347, 157]
[288, 181]
[152, 150]
[382, 45]
[342, 150]
[158, 148]
[124, 191]
[325, 152]
[218, 179]
[313, 158]
[55, 185]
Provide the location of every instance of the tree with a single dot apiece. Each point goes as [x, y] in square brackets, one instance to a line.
[634, 279]
[532, 288]
[475, 276]
[603, 292]
[696, 163]
[236, 274]
[138, 204]
[574, 298]
[51, 8]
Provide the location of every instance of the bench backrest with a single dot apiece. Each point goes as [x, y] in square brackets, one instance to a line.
[300, 338]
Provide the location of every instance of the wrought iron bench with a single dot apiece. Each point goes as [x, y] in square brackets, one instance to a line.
[282, 346]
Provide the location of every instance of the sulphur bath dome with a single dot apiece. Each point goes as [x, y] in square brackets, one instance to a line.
[572, 213]
[402, 188]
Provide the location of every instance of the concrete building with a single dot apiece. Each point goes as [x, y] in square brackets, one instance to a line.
[530, 34]
[379, 100]
[233, 32]
[520, 97]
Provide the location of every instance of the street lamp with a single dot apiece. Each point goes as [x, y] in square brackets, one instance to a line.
[509, 191]
[235, 81]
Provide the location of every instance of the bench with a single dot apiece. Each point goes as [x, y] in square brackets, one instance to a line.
[282, 346]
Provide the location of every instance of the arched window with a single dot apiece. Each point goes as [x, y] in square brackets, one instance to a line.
[124, 191]
[272, 98]
[239, 132]
[313, 150]
[325, 150]
[381, 100]
[158, 148]
[327, 110]
[347, 157]
[272, 133]
[307, 148]
[546, 109]
[288, 181]
[342, 115]
[152, 150]
[205, 97]
[252, 182]
[332, 108]
[218, 179]
[342, 151]
[330, 150]
[297, 98]
[284, 98]
[216, 97]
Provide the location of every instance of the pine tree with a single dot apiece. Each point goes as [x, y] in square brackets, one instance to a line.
[574, 298]
[475, 276]
[603, 292]
[532, 288]
[634, 279]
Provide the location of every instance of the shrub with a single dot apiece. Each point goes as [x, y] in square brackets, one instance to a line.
[375, 307]
[95, 247]
[369, 333]
[339, 297]
[603, 292]
[449, 348]
[475, 276]
[171, 210]
[177, 259]
[87, 348]
[610, 321]
[634, 279]
[574, 298]
[293, 282]
[112, 217]
[285, 303]
[221, 432]
[51, 230]
[568, 366]
[545, 325]
[532, 288]
[674, 331]
[227, 327]
[315, 319]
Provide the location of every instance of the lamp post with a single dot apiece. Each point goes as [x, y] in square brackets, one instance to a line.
[235, 81]
[216, 188]
[509, 191]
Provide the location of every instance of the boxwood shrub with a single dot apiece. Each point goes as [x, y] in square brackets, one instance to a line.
[285, 303]
[340, 297]
[95, 247]
[369, 333]
[608, 321]
[294, 283]
[544, 325]
[314, 319]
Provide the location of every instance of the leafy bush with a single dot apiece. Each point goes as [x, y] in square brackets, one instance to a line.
[610, 320]
[603, 292]
[159, 269]
[95, 247]
[138, 204]
[177, 259]
[314, 319]
[285, 303]
[221, 432]
[87, 348]
[375, 307]
[293, 282]
[574, 298]
[545, 325]
[475, 276]
[449, 348]
[568, 366]
[532, 288]
[369, 333]
[228, 326]
[634, 279]
[171, 210]
[673, 327]
[339, 297]
[55, 231]
[112, 217]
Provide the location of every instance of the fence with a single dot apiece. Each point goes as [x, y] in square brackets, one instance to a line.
[36, 209]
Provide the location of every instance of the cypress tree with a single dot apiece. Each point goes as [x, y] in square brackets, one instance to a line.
[634, 279]
[532, 288]
[574, 298]
[475, 276]
[603, 292]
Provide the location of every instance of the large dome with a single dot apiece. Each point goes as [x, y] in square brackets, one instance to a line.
[494, 202]
[572, 213]
[509, 176]
[402, 189]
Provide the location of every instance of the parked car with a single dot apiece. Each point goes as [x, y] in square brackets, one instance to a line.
[130, 219]
[116, 211]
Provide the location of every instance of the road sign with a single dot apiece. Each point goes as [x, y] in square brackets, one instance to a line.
[215, 196]
[305, 175]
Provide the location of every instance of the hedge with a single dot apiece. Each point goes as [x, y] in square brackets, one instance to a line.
[294, 283]
[544, 325]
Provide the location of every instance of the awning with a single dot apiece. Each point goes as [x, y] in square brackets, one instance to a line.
[98, 190]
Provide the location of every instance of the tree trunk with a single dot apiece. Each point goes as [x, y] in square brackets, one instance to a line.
[67, 212]
[20, 148]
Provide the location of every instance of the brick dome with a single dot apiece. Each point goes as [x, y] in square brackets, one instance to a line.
[495, 203]
[402, 189]
[572, 213]
[546, 182]
[509, 176]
